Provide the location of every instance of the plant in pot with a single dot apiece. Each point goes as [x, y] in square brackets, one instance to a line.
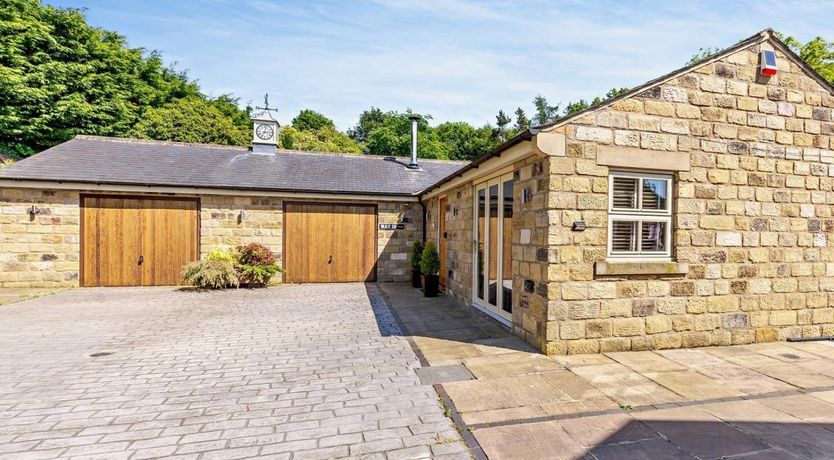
[430, 265]
[256, 264]
[415, 255]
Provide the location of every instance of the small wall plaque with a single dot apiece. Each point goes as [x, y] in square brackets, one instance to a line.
[391, 226]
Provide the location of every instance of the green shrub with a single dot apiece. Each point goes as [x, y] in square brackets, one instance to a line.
[430, 260]
[260, 274]
[415, 254]
[256, 263]
[223, 255]
[211, 274]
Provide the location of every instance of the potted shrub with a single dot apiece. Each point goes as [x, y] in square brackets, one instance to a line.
[430, 265]
[256, 264]
[414, 257]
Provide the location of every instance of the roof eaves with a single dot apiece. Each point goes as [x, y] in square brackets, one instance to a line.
[217, 187]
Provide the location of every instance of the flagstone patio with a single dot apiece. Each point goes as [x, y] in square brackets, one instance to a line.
[763, 401]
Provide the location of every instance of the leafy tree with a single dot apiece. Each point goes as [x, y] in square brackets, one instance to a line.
[325, 139]
[60, 77]
[368, 121]
[190, 119]
[578, 106]
[310, 120]
[521, 120]
[466, 142]
[389, 133]
[545, 113]
[502, 122]
[582, 104]
[702, 55]
[817, 53]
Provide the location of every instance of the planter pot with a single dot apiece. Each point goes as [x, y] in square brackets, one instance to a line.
[431, 283]
[416, 280]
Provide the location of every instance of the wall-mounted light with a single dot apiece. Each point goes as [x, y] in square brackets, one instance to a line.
[33, 211]
[526, 195]
[241, 216]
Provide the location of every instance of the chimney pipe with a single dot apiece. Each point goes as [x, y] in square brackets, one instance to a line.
[414, 119]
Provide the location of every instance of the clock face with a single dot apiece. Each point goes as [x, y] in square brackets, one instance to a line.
[264, 132]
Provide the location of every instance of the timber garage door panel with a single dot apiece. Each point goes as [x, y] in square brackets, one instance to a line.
[137, 241]
[329, 243]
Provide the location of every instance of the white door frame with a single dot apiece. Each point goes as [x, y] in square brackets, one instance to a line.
[494, 310]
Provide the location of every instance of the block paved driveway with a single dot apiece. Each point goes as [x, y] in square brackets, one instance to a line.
[312, 371]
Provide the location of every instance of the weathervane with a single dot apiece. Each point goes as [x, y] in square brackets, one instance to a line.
[266, 104]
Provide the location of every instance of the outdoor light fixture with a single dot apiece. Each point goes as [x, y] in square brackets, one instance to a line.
[241, 216]
[768, 66]
[34, 210]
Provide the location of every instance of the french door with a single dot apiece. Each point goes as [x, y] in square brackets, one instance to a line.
[492, 284]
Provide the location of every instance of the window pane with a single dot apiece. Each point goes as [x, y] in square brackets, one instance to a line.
[625, 193]
[507, 271]
[492, 259]
[623, 236]
[654, 194]
[480, 212]
[653, 237]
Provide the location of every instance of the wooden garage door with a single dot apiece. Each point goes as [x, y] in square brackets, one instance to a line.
[328, 243]
[137, 241]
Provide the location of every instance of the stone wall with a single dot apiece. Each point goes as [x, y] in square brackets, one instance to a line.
[263, 223]
[530, 238]
[752, 215]
[40, 250]
[44, 251]
[530, 253]
[458, 242]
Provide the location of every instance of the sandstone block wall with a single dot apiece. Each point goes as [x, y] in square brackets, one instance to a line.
[458, 242]
[752, 217]
[44, 251]
[40, 250]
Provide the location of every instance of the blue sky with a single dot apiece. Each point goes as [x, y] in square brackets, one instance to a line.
[458, 60]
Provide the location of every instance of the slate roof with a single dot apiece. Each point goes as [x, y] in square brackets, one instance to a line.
[116, 161]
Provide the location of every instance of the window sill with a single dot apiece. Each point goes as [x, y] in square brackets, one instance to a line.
[621, 268]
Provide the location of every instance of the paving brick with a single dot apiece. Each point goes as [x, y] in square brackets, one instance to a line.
[246, 376]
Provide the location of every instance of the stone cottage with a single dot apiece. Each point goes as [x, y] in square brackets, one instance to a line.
[693, 210]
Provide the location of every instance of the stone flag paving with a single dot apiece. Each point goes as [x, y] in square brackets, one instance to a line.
[754, 402]
[292, 372]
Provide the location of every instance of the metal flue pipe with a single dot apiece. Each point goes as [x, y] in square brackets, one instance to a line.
[414, 119]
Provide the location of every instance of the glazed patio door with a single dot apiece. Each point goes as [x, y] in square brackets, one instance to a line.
[492, 280]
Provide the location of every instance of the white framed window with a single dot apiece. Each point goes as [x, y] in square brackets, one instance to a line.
[639, 215]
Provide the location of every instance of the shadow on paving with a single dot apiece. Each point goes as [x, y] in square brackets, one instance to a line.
[434, 322]
[624, 438]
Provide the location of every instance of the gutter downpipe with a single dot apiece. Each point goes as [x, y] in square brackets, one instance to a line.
[423, 205]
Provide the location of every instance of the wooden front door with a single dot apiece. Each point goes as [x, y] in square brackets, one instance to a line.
[137, 241]
[329, 243]
[442, 215]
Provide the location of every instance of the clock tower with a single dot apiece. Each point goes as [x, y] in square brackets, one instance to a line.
[264, 129]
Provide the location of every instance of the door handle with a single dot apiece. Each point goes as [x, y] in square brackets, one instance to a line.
[330, 259]
[141, 259]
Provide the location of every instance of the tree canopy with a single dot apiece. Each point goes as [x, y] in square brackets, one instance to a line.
[60, 77]
[817, 53]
